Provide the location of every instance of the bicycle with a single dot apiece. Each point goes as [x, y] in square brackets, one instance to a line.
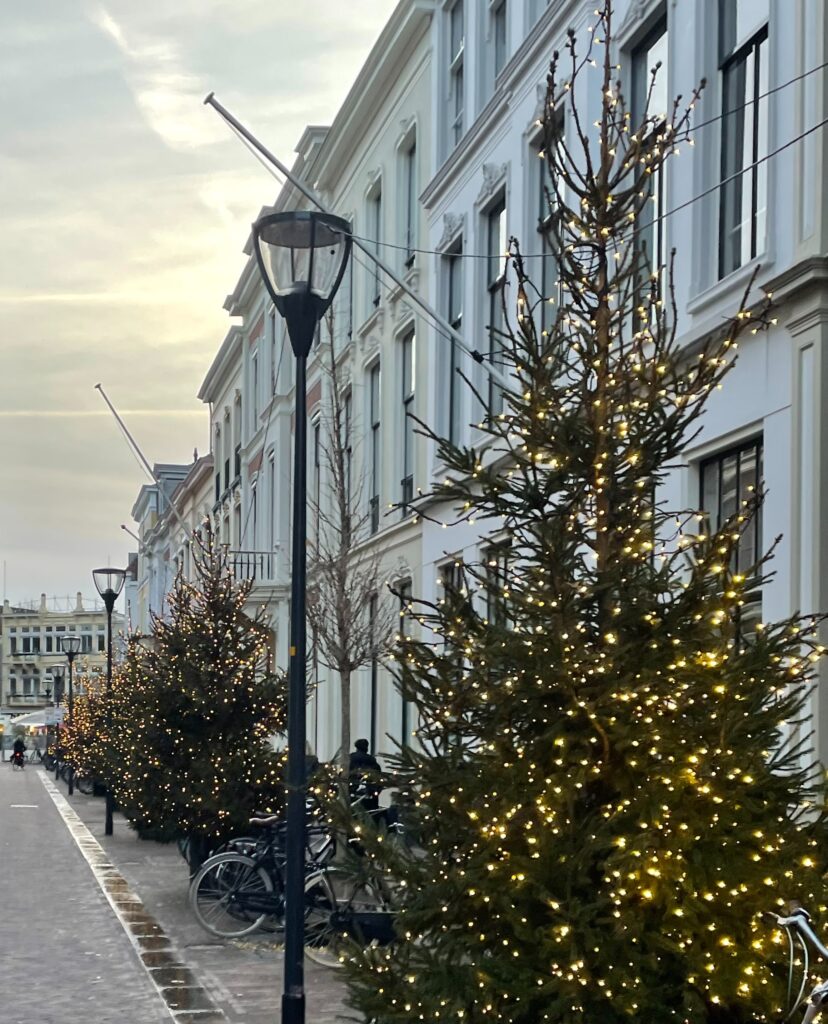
[343, 906]
[798, 925]
[239, 891]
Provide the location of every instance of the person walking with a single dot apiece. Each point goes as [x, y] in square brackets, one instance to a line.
[363, 776]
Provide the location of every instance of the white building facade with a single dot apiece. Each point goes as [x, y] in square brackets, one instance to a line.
[433, 158]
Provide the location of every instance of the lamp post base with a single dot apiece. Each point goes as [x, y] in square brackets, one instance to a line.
[110, 806]
[293, 1008]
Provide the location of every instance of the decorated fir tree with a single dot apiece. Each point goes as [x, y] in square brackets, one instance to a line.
[195, 708]
[604, 796]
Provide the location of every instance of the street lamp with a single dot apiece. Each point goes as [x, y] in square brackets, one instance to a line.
[109, 583]
[70, 645]
[302, 257]
[57, 679]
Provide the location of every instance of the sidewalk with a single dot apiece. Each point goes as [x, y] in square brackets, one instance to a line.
[241, 979]
[64, 956]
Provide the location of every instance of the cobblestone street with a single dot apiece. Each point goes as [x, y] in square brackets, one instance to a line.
[239, 981]
[65, 957]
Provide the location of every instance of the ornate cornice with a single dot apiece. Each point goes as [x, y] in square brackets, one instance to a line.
[494, 175]
[453, 225]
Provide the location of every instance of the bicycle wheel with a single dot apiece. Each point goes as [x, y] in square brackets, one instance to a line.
[230, 895]
[332, 899]
[84, 784]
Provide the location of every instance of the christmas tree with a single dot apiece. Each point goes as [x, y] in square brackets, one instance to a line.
[606, 794]
[194, 711]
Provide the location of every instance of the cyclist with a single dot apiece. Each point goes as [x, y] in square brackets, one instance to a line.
[363, 776]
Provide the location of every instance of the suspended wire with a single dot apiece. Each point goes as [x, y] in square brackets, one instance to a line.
[638, 226]
[757, 99]
[702, 124]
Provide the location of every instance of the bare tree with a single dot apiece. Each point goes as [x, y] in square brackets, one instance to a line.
[349, 608]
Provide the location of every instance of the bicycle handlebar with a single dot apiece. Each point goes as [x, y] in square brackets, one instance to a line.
[800, 920]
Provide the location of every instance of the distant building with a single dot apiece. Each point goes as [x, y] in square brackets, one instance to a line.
[30, 650]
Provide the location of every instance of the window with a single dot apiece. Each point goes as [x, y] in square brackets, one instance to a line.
[410, 201]
[456, 41]
[374, 399]
[405, 631]
[454, 296]
[274, 372]
[407, 361]
[347, 442]
[27, 645]
[271, 492]
[499, 19]
[451, 577]
[373, 607]
[317, 477]
[254, 388]
[35, 645]
[743, 61]
[86, 643]
[546, 212]
[497, 581]
[101, 642]
[727, 481]
[656, 106]
[50, 641]
[13, 645]
[496, 279]
[375, 232]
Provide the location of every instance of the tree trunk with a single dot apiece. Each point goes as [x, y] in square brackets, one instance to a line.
[345, 722]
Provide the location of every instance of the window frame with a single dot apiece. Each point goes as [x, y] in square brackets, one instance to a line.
[717, 459]
[456, 73]
[751, 54]
[410, 201]
[650, 224]
[454, 286]
[496, 235]
[408, 357]
[375, 425]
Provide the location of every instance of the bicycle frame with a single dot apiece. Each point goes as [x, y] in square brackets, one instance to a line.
[798, 923]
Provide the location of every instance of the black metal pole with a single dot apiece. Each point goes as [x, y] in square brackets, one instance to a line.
[293, 997]
[56, 705]
[71, 707]
[109, 600]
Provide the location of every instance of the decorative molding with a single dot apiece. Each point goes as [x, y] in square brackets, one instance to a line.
[453, 225]
[493, 176]
[637, 12]
[372, 179]
[540, 105]
[407, 124]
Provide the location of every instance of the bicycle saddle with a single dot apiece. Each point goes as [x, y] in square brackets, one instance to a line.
[266, 822]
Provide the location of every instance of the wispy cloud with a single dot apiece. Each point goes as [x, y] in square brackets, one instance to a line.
[57, 414]
[166, 92]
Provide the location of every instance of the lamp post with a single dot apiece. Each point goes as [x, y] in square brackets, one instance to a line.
[57, 678]
[302, 257]
[70, 645]
[109, 583]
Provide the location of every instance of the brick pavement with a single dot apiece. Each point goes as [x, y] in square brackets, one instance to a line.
[64, 956]
[242, 978]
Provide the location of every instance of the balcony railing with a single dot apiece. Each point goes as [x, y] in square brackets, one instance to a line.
[253, 565]
[26, 700]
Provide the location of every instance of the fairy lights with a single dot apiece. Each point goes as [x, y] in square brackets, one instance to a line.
[194, 705]
[604, 798]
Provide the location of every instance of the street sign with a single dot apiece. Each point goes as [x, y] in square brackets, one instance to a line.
[53, 716]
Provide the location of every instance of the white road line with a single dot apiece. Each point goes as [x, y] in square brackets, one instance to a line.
[103, 871]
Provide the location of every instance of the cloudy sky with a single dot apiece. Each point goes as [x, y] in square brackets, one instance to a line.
[124, 204]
